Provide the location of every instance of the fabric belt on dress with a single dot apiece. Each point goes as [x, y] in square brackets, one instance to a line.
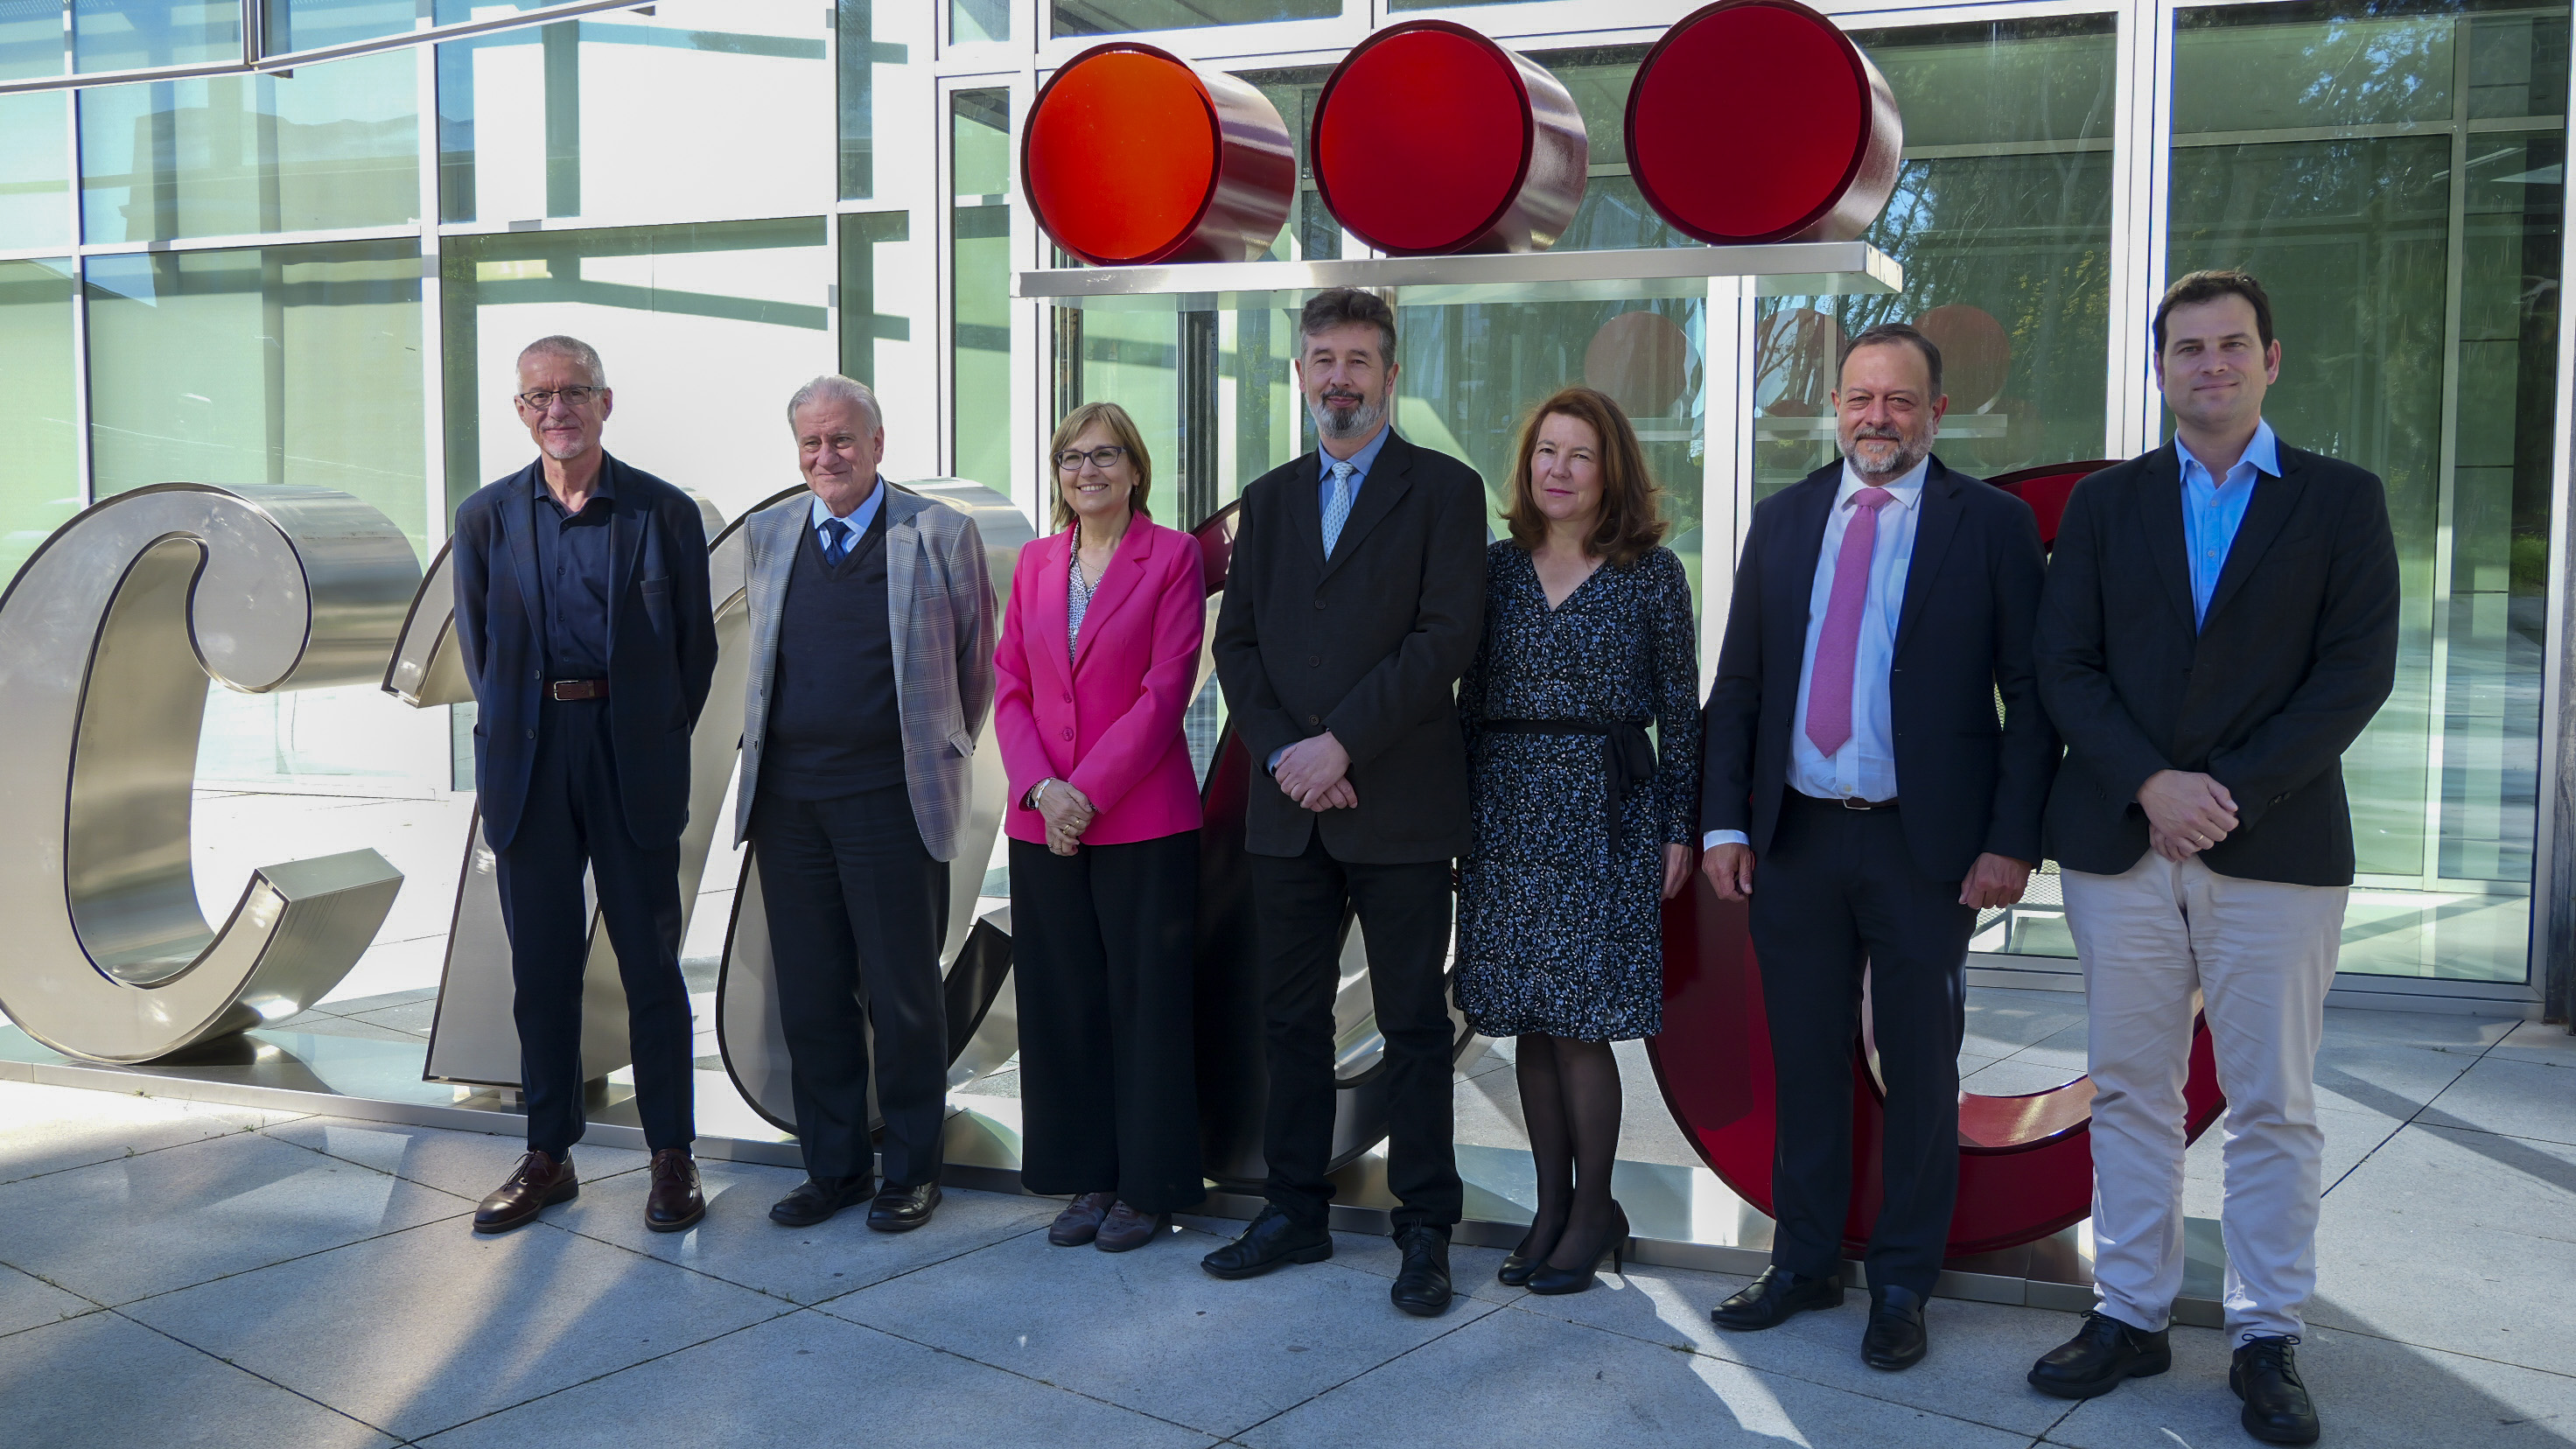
[569, 689]
[1625, 749]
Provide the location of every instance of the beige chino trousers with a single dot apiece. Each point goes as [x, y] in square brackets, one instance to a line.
[2260, 955]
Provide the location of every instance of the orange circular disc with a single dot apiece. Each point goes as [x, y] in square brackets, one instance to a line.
[1130, 155]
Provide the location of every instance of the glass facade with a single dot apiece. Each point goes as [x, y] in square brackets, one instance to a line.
[324, 275]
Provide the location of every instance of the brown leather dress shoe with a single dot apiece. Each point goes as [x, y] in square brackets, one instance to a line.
[673, 1204]
[1126, 1229]
[1079, 1223]
[537, 1183]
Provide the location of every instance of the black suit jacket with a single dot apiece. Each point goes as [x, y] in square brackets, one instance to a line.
[661, 644]
[2297, 653]
[1969, 783]
[1369, 646]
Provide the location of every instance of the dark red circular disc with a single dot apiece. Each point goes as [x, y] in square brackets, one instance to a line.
[1130, 155]
[1760, 121]
[1430, 138]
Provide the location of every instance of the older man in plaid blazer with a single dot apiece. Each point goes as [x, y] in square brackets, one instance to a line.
[871, 670]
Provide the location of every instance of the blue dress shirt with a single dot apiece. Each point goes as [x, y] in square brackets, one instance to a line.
[1865, 767]
[859, 519]
[573, 566]
[2212, 511]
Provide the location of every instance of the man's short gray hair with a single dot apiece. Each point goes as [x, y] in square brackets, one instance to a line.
[571, 347]
[832, 387]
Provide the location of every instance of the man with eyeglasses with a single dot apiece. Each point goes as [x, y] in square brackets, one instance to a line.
[582, 611]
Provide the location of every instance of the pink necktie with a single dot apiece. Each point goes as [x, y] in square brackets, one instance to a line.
[1829, 688]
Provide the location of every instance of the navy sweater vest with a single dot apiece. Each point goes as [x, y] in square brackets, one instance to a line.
[835, 727]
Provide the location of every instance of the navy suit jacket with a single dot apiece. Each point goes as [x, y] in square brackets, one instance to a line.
[1970, 782]
[661, 644]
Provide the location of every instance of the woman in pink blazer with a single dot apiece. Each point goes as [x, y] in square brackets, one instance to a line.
[1099, 653]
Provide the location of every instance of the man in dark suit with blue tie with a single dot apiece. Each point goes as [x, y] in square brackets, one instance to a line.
[583, 616]
[1862, 789]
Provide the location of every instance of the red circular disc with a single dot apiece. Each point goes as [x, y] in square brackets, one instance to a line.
[1759, 121]
[1129, 155]
[1430, 138]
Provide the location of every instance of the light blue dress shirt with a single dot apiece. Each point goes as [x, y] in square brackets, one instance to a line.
[1361, 462]
[2212, 511]
[1865, 767]
[859, 519]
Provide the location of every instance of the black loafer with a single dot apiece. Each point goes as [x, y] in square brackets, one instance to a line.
[1274, 1240]
[2103, 1354]
[1422, 1284]
[816, 1198]
[1776, 1297]
[901, 1209]
[2277, 1407]
[1895, 1339]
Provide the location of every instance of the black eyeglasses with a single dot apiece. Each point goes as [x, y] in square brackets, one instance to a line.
[541, 398]
[1071, 460]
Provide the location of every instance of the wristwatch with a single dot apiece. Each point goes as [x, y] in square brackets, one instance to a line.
[1030, 801]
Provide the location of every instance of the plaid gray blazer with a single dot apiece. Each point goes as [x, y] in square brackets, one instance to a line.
[942, 599]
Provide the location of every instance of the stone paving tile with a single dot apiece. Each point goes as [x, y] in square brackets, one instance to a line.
[2416, 1028]
[51, 1129]
[118, 1231]
[1150, 1330]
[2370, 1394]
[2514, 1098]
[2534, 1041]
[467, 1164]
[415, 1017]
[2016, 1077]
[1526, 1380]
[27, 1301]
[1974, 1346]
[2464, 1241]
[110, 1383]
[806, 1380]
[2390, 1079]
[738, 1243]
[423, 1330]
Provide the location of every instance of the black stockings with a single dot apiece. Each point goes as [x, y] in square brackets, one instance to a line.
[1570, 1099]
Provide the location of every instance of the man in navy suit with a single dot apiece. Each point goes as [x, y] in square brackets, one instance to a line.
[1863, 790]
[582, 611]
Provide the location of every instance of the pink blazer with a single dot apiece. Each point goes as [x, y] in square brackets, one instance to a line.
[1109, 721]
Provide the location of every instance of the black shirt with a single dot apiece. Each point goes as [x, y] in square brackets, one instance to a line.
[573, 565]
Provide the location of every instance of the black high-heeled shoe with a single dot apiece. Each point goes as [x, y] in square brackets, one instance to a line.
[1516, 1270]
[1548, 1279]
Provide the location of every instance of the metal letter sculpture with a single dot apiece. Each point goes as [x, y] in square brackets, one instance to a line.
[107, 639]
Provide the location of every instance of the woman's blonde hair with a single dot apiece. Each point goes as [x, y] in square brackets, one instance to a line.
[1631, 521]
[1122, 427]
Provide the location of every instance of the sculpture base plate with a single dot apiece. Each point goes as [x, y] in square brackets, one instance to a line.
[1683, 1217]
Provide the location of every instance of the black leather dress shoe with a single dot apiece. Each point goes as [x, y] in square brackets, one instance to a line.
[817, 1198]
[901, 1209]
[1273, 1240]
[1422, 1284]
[1776, 1297]
[2277, 1407]
[1895, 1338]
[2102, 1355]
[537, 1183]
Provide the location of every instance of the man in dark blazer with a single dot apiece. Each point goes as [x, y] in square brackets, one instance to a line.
[1861, 789]
[2220, 624]
[1355, 599]
[582, 612]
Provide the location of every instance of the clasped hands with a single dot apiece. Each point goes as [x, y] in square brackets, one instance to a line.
[1068, 813]
[2187, 812]
[1995, 880]
[1315, 772]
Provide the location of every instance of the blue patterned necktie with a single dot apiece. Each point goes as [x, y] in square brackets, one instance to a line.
[1337, 505]
[836, 544]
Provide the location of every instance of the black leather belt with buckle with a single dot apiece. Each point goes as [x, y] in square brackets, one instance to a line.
[1854, 802]
[570, 689]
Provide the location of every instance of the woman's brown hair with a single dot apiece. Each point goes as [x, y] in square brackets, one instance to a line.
[1631, 519]
[1122, 427]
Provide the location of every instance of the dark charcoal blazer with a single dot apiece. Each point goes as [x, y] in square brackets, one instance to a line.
[661, 644]
[2297, 653]
[1368, 646]
[1970, 782]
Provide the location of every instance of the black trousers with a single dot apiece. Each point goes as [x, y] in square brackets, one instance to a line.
[1404, 911]
[574, 818]
[1100, 947]
[1840, 891]
[856, 911]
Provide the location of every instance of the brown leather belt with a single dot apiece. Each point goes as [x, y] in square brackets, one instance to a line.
[570, 689]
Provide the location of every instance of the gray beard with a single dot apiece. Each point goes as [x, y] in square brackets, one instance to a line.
[1361, 419]
[1903, 463]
